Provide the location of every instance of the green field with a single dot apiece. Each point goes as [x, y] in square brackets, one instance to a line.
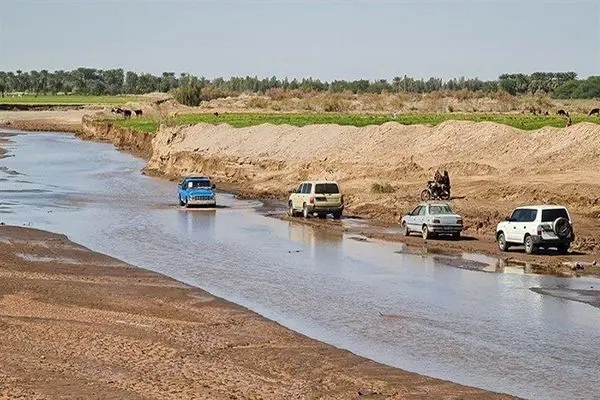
[66, 99]
[239, 120]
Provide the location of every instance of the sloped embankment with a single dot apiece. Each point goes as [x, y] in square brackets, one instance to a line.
[136, 142]
[493, 167]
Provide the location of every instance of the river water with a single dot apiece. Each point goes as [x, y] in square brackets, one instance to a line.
[481, 329]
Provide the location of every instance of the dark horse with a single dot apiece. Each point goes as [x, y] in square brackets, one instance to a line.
[595, 111]
[562, 113]
[138, 113]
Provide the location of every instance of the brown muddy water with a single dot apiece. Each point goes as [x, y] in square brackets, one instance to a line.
[430, 314]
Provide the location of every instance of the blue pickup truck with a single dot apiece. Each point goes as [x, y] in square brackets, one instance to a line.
[196, 190]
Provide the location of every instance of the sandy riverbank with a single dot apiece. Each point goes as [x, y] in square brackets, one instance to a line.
[553, 165]
[79, 324]
[53, 120]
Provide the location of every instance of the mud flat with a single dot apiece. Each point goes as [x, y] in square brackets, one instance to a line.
[587, 296]
[51, 119]
[80, 324]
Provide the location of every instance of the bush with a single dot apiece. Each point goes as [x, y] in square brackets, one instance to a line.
[258, 102]
[382, 188]
[335, 103]
[193, 95]
[189, 95]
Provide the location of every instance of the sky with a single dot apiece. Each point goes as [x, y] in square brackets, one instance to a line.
[320, 39]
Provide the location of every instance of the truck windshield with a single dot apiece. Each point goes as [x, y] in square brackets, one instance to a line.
[198, 184]
[326, 188]
[436, 210]
[552, 214]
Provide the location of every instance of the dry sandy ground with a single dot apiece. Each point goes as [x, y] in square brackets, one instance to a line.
[77, 324]
[67, 120]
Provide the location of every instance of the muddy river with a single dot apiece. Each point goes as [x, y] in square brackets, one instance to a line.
[482, 329]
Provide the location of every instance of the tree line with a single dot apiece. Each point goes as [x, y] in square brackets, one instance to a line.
[92, 81]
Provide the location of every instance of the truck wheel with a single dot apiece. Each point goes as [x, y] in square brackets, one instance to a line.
[529, 246]
[322, 216]
[291, 211]
[502, 245]
[456, 235]
[337, 215]
[305, 212]
[181, 203]
[426, 233]
[563, 249]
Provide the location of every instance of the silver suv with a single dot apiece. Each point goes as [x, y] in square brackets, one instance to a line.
[537, 226]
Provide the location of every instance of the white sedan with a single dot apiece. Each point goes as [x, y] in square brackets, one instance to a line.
[432, 219]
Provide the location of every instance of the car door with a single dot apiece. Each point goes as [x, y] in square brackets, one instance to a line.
[410, 217]
[296, 197]
[180, 190]
[306, 193]
[526, 220]
[421, 218]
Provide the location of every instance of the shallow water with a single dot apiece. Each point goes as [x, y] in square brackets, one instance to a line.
[481, 329]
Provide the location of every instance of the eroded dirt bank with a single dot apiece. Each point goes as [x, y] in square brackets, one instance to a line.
[83, 325]
[493, 167]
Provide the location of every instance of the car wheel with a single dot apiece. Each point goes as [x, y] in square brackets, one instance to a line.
[502, 245]
[529, 246]
[337, 215]
[405, 229]
[181, 203]
[305, 212]
[426, 233]
[291, 211]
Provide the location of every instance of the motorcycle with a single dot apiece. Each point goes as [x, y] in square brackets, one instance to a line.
[435, 191]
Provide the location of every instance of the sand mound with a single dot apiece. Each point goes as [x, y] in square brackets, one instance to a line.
[470, 148]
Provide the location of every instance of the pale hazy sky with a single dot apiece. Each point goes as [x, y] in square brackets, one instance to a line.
[323, 39]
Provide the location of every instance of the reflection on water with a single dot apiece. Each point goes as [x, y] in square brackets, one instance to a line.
[480, 329]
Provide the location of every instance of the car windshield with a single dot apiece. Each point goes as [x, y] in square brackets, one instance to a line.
[552, 214]
[326, 188]
[442, 209]
[204, 183]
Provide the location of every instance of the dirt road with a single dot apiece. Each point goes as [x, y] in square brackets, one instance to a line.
[79, 324]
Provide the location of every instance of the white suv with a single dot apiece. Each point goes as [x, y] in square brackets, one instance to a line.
[536, 226]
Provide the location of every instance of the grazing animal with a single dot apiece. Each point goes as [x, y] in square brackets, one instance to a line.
[562, 113]
[138, 113]
[595, 111]
[546, 113]
[116, 110]
[126, 114]
[216, 114]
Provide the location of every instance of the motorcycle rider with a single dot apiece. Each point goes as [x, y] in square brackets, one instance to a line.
[446, 182]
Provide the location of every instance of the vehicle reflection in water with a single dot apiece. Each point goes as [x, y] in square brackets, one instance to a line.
[197, 222]
[321, 243]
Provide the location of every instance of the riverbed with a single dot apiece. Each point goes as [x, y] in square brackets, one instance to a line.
[413, 312]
